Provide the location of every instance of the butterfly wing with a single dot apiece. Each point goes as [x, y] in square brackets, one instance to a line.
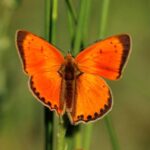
[93, 99]
[105, 58]
[41, 61]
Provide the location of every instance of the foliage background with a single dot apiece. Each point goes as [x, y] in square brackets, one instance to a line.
[21, 116]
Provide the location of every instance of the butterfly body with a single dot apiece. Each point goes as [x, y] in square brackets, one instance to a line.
[73, 85]
[69, 72]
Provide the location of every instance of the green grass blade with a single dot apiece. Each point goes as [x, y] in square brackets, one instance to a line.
[86, 22]
[71, 11]
[53, 21]
[112, 134]
[87, 136]
[47, 114]
[61, 144]
[104, 16]
[72, 21]
[48, 128]
[47, 19]
[79, 28]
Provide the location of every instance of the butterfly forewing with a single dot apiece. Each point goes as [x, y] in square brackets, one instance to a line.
[41, 61]
[37, 54]
[105, 58]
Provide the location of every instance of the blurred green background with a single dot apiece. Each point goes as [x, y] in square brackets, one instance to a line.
[21, 116]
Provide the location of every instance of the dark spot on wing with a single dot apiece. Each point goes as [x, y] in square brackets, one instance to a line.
[48, 103]
[115, 46]
[116, 51]
[42, 99]
[106, 106]
[96, 115]
[89, 117]
[100, 51]
[101, 111]
[80, 117]
[42, 49]
[104, 86]
[55, 106]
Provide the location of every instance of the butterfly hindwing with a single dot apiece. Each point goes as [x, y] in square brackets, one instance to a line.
[93, 99]
[105, 58]
[41, 62]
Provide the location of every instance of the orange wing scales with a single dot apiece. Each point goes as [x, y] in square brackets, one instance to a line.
[37, 54]
[105, 58]
[42, 89]
[41, 61]
[95, 115]
[93, 99]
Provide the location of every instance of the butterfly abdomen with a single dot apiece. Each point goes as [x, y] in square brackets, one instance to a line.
[70, 90]
[69, 73]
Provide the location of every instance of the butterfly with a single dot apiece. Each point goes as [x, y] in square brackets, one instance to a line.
[73, 85]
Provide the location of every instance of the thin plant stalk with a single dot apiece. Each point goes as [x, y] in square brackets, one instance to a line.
[112, 134]
[47, 114]
[71, 11]
[102, 31]
[86, 22]
[72, 21]
[61, 142]
[87, 136]
[47, 19]
[103, 18]
[79, 28]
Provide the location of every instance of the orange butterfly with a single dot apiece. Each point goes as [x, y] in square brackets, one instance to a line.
[73, 85]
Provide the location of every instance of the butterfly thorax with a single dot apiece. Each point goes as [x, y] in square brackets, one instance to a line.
[69, 73]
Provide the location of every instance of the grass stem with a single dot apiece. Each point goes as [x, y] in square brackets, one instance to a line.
[79, 28]
[112, 134]
[71, 11]
[86, 22]
[47, 113]
[104, 16]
